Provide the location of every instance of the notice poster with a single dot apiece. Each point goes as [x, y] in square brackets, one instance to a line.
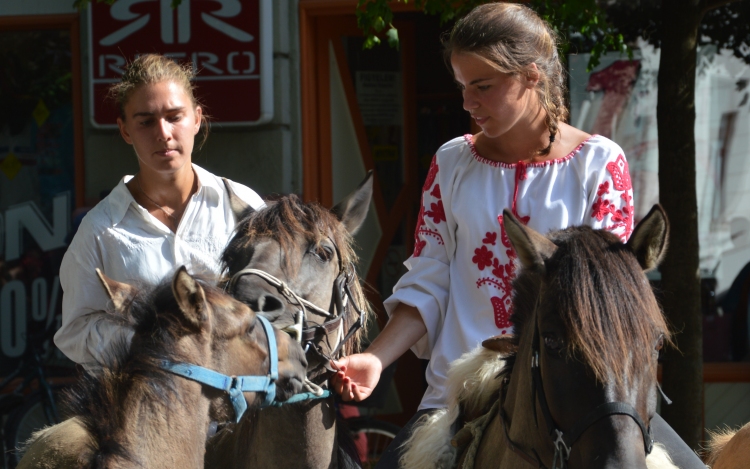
[379, 97]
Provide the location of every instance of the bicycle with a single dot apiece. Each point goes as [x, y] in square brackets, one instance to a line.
[32, 404]
[371, 435]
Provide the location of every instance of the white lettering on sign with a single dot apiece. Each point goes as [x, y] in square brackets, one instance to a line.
[121, 12]
[13, 319]
[27, 215]
[111, 61]
[230, 63]
[242, 64]
[14, 314]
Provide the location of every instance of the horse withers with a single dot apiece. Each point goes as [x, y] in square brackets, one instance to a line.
[293, 262]
[139, 410]
[576, 385]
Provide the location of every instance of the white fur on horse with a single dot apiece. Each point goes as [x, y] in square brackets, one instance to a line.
[472, 382]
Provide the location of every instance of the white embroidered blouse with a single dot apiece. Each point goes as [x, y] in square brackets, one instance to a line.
[130, 245]
[460, 273]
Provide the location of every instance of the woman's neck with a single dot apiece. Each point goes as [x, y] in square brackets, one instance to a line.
[525, 145]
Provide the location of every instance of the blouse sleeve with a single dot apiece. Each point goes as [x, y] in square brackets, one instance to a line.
[610, 195]
[425, 286]
[86, 332]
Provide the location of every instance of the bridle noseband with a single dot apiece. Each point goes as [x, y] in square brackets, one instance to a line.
[310, 336]
[236, 385]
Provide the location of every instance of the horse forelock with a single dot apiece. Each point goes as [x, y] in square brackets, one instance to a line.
[595, 285]
[283, 220]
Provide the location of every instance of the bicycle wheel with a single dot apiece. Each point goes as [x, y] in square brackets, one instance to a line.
[377, 435]
[33, 415]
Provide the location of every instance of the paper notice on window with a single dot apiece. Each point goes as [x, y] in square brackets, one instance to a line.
[379, 97]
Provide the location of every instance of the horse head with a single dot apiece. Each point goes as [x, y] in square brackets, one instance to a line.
[188, 321]
[583, 386]
[293, 263]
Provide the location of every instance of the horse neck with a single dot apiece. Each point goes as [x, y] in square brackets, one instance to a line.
[300, 435]
[170, 434]
[522, 429]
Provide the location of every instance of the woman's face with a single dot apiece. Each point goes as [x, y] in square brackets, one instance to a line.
[497, 101]
[161, 123]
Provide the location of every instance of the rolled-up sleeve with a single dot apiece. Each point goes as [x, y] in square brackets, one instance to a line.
[86, 332]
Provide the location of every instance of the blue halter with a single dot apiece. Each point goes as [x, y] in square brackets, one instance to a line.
[236, 385]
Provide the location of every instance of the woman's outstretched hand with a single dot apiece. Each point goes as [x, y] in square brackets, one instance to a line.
[357, 376]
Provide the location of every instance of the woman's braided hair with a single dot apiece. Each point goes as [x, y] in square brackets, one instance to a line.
[149, 69]
[510, 37]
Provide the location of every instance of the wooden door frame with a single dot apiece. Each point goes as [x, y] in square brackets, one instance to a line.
[316, 119]
[316, 30]
[70, 22]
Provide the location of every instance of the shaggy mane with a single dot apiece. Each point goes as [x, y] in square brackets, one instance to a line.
[610, 314]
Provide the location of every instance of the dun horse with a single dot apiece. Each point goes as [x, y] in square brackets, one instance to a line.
[138, 411]
[576, 385]
[294, 264]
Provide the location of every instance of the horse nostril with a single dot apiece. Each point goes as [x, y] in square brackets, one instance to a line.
[269, 304]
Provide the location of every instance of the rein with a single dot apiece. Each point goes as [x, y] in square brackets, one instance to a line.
[236, 385]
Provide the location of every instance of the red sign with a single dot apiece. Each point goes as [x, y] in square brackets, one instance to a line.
[229, 43]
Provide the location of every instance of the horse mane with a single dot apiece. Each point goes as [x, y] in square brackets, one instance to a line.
[98, 397]
[283, 218]
[610, 314]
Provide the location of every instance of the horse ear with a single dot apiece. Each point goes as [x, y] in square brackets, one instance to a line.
[120, 293]
[240, 209]
[190, 297]
[353, 209]
[649, 239]
[501, 343]
[532, 248]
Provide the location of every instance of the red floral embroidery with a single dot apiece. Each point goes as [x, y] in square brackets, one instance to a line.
[601, 208]
[482, 257]
[502, 274]
[436, 212]
[490, 238]
[621, 217]
[603, 189]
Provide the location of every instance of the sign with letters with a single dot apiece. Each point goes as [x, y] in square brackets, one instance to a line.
[229, 43]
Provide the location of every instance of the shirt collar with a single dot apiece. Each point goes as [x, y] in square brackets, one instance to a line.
[121, 198]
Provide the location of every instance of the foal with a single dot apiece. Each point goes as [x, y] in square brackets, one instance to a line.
[135, 413]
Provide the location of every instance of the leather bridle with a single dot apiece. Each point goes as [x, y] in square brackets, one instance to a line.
[313, 337]
[563, 441]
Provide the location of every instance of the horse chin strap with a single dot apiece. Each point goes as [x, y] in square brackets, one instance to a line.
[563, 441]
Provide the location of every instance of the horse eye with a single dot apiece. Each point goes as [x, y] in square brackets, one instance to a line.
[323, 253]
[553, 343]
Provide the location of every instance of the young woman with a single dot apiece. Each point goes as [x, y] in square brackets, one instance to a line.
[457, 291]
[171, 213]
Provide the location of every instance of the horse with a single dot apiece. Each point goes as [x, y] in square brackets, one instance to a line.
[575, 385]
[152, 403]
[293, 263]
[729, 449]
